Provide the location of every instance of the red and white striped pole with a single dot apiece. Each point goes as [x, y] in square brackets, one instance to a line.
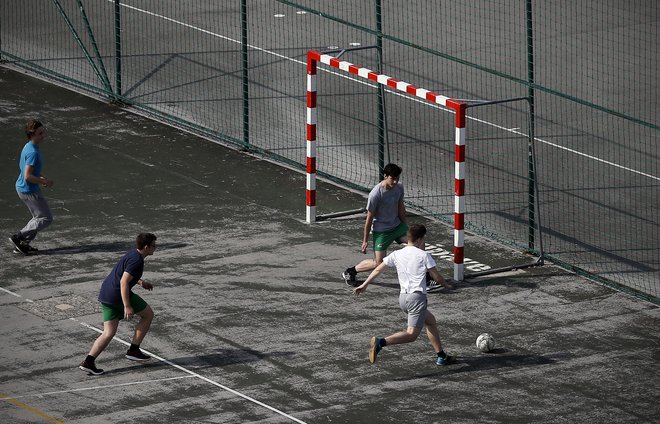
[459, 189]
[311, 137]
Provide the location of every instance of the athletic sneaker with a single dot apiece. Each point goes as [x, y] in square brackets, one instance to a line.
[450, 359]
[432, 285]
[349, 278]
[375, 348]
[20, 245]
[90, 368]
[137, 355]
[29, 248]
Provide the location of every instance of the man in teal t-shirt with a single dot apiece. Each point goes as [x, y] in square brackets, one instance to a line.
[28, 187]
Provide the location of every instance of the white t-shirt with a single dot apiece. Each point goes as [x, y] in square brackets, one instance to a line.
[411, 265]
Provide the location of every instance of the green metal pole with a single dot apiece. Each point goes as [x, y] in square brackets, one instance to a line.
[97, 53]
[117, 48]
[79, 41]
[531, 173]
[381, 93]
[246, 82]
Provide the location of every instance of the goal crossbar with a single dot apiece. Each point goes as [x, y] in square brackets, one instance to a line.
[459, 108]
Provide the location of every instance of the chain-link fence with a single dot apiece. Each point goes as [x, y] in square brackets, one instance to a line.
[235, 71]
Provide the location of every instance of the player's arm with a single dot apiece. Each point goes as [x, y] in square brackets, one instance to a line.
[145, 285]
[437, 277]
[375, 273]
[125, 289]
[402, 211]
[367, 228]
[29, 176]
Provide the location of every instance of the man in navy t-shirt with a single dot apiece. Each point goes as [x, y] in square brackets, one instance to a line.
[118, 301]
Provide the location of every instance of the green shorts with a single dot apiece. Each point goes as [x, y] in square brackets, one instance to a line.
[111, 312]
[382, 240]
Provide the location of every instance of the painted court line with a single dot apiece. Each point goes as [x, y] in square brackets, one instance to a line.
[281, 56]
[201, 377]
[111, 386]
[31, 409]
[151, 165]
[17, 295]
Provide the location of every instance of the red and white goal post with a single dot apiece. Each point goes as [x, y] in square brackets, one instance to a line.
[459, 108]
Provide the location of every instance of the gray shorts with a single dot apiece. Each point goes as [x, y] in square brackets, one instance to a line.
[414, 305]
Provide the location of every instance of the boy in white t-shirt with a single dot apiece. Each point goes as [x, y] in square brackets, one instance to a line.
[412, 264]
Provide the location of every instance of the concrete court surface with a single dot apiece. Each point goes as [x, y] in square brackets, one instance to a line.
[252, 322]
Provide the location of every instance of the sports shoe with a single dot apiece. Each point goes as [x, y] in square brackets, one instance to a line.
[90, 368]
[349, 278]
[20, 245]
[375, 348]
[29, 248]
[449, 359]
[137, 355]
[432, 285]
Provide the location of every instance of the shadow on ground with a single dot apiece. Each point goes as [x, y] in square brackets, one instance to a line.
[111, 247]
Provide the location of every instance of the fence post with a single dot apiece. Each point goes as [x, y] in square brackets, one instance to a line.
[381, 93]
[244, 56]
[118, 48]
[531, 174]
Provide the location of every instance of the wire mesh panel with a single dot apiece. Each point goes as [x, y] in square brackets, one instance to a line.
[600, 192]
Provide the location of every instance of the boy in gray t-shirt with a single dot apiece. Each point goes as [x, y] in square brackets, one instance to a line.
[386, 215]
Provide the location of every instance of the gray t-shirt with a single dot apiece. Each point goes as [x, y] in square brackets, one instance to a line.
[384, 204]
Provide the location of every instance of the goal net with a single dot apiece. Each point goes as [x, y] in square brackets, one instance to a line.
[433, 158]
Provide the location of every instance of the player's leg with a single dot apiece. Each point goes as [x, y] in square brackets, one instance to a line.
[42, 217]
[141, 329]
[102, 341]
[371, 264]
[409, 335]
[412, 304]
[109, 330]
[432, 331]
[434, 338]
[364, 266]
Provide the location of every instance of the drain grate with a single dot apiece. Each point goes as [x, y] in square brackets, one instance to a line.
[62, 307]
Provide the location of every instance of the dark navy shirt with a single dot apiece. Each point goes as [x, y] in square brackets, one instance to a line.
[133, 263]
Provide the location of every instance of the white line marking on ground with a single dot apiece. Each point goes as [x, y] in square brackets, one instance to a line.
[616, 165]
[110, 386]
[281, 56]
[470, 264]
[17, 295]
[194, 374]
[10, 292]
[178, 174]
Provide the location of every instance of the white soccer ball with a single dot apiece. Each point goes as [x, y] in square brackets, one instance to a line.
[485, 342]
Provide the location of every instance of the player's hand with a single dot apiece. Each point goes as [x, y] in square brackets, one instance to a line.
[147, 286]
[363, 249]
[128, 312]
[48, 183]
[360, 289]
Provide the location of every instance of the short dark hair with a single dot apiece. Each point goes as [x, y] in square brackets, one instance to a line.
[144, 239]
[31, 127]
[392, 170]
[416, 232]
